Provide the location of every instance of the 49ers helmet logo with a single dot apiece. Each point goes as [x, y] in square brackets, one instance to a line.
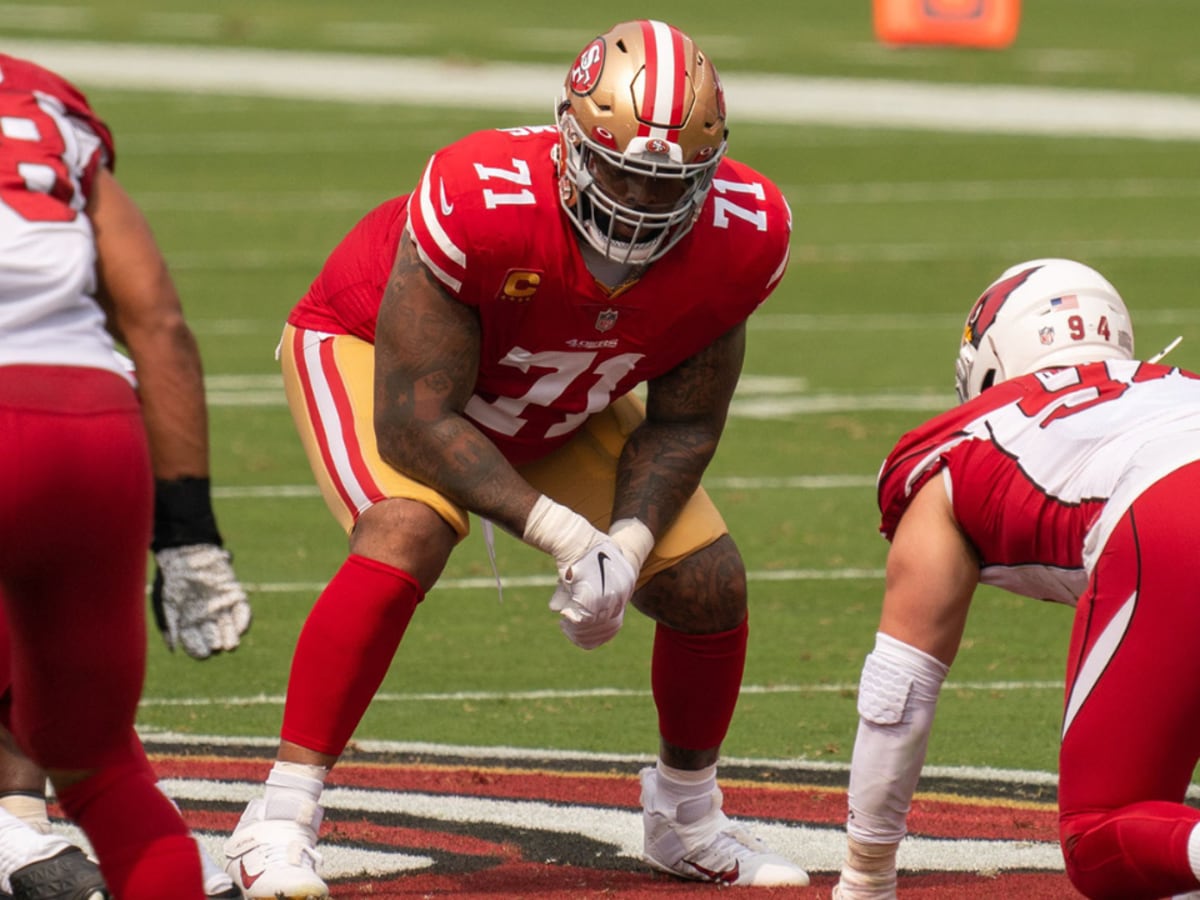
[585, 73]
[987, 307]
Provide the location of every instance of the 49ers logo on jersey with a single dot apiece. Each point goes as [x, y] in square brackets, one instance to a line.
[588, 66]
[984, 312]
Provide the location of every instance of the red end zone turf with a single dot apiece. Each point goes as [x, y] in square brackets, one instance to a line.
[451, 821]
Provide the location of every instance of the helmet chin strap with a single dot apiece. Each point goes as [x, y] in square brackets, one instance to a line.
[1165, 350]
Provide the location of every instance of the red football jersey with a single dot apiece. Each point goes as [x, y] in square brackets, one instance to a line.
[1041, 467]
[557, 346]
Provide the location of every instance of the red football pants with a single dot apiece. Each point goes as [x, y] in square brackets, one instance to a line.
[1132, 727]
[75, 513]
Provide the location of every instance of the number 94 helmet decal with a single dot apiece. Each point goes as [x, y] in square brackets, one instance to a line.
[642, 129]
[1038, 315]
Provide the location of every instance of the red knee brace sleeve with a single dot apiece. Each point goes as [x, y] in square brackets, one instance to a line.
[696, 679]
[344, 652]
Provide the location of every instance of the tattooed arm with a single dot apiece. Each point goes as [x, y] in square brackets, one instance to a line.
[426, 362]
[427, 348]
[666, 455]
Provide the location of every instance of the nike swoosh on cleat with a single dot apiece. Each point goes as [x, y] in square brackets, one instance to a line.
[248, 879]
[729, 876]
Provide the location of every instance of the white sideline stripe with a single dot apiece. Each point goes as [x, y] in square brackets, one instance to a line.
[775, 99]
[848, 687]
[532, 756]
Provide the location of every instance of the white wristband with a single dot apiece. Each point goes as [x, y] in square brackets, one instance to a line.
[559, 531]
[634, 539]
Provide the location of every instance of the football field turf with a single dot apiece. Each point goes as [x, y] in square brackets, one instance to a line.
[896, 232]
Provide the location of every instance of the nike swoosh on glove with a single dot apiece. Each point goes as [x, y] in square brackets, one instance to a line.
[198, 602]
[592, 594]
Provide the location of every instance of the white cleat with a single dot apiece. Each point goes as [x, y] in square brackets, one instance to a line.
[217, 885]
[272, 854]
[701, 843]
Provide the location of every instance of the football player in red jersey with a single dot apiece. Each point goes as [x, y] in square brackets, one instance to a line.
[471, 348]
[1070, 472]
[99, 469]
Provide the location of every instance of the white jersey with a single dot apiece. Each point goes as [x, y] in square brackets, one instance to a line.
[1041, 468]
[51, 146]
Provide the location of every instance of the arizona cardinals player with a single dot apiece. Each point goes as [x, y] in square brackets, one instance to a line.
[91, 464]
[1071, 473]
[471, 348]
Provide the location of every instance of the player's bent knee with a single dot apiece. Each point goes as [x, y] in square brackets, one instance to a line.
[704, 593]
[407, 535]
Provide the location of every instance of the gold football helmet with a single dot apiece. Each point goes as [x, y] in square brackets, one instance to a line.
[642, 128]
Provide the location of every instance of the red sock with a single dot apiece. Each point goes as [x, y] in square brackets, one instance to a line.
[344, 651]
[144, 847]
[695, 679]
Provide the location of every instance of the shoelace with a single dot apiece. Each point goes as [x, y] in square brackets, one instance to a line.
[292, 852]
[731, 842]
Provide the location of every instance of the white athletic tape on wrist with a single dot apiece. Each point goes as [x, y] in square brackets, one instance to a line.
[634, 539]
[559, 531]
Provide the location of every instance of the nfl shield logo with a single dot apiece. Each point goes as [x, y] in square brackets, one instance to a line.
[606, 320]
[1046, 334]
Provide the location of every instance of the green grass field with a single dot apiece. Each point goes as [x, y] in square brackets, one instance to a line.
[896, 232]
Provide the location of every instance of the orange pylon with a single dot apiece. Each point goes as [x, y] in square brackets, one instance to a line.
[964, 23]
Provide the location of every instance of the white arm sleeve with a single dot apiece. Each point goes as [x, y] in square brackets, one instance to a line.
[897, 695]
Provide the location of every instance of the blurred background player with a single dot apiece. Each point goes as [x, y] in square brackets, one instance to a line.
[91, 467]
[1070, 472]
[470, 348]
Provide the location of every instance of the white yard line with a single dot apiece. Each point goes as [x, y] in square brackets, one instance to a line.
[733, 482]
[488, 583]
[847, 687]
[771, 99]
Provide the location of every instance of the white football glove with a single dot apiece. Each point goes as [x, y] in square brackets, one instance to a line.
[595, 577]
[592, 594]
[198, 602]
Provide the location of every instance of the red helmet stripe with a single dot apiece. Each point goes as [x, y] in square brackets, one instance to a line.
[666, 76]
[987, 307]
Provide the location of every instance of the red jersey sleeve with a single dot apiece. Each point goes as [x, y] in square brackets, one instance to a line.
[344, 298]
[746, 228]
[920, 455]
[481, 203]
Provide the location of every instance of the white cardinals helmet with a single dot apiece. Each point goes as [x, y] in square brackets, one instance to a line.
[642, 129]
[1038, 315]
